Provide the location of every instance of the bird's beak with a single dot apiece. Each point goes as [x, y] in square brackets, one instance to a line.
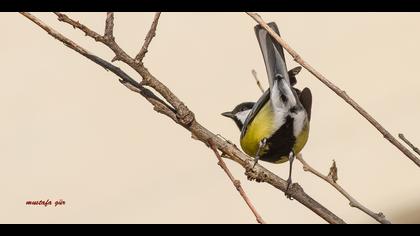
[228, 114]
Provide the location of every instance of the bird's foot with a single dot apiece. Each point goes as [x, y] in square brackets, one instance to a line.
[287, 193]
[261, 147]
[255, 162]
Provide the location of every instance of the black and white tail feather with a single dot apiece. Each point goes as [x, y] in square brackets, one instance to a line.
[283, 95]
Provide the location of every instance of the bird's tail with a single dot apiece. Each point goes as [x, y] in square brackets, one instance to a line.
[273, 54]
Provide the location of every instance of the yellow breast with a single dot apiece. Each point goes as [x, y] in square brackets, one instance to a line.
[262, 126]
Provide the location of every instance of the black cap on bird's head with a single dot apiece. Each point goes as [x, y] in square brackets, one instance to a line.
[239, 113]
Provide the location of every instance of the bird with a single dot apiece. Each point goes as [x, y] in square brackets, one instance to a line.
[276, 127]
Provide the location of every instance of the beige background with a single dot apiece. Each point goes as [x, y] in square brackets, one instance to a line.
[70, 131]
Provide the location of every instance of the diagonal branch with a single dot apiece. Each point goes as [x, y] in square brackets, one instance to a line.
[148, 39]
[337, 90]
[237, 184]
[401, 136]
[258, 173]
[331, 178]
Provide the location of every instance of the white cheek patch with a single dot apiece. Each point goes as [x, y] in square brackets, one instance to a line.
[242, 115]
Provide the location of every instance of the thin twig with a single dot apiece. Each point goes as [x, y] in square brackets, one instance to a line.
[237, 185]
[76, 24]
[337, 90]
[254, 73]
[109, 26]
[401, 136]
[331, 178]
[200, 133]
[148, 39]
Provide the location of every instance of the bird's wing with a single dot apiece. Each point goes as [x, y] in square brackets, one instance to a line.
[272, 52]
[292, 75]
[255, 109]
[305, 98]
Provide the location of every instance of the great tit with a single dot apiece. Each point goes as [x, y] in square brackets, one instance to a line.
[276, 127]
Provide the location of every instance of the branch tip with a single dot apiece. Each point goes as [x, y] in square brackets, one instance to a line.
[109, 26]
[150, 35]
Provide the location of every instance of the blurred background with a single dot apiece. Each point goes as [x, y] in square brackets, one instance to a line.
[70, 131]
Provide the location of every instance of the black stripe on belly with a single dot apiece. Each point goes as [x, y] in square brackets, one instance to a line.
[281, 142]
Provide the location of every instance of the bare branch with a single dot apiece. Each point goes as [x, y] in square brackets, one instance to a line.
[254, 73]
[331, 179]
[148, 39]
[109, 26]
[337, 90]
[76, 24]
[181, 115]
[237, 184]
[401, 136]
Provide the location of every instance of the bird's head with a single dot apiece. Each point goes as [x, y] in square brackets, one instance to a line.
[240, 113]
